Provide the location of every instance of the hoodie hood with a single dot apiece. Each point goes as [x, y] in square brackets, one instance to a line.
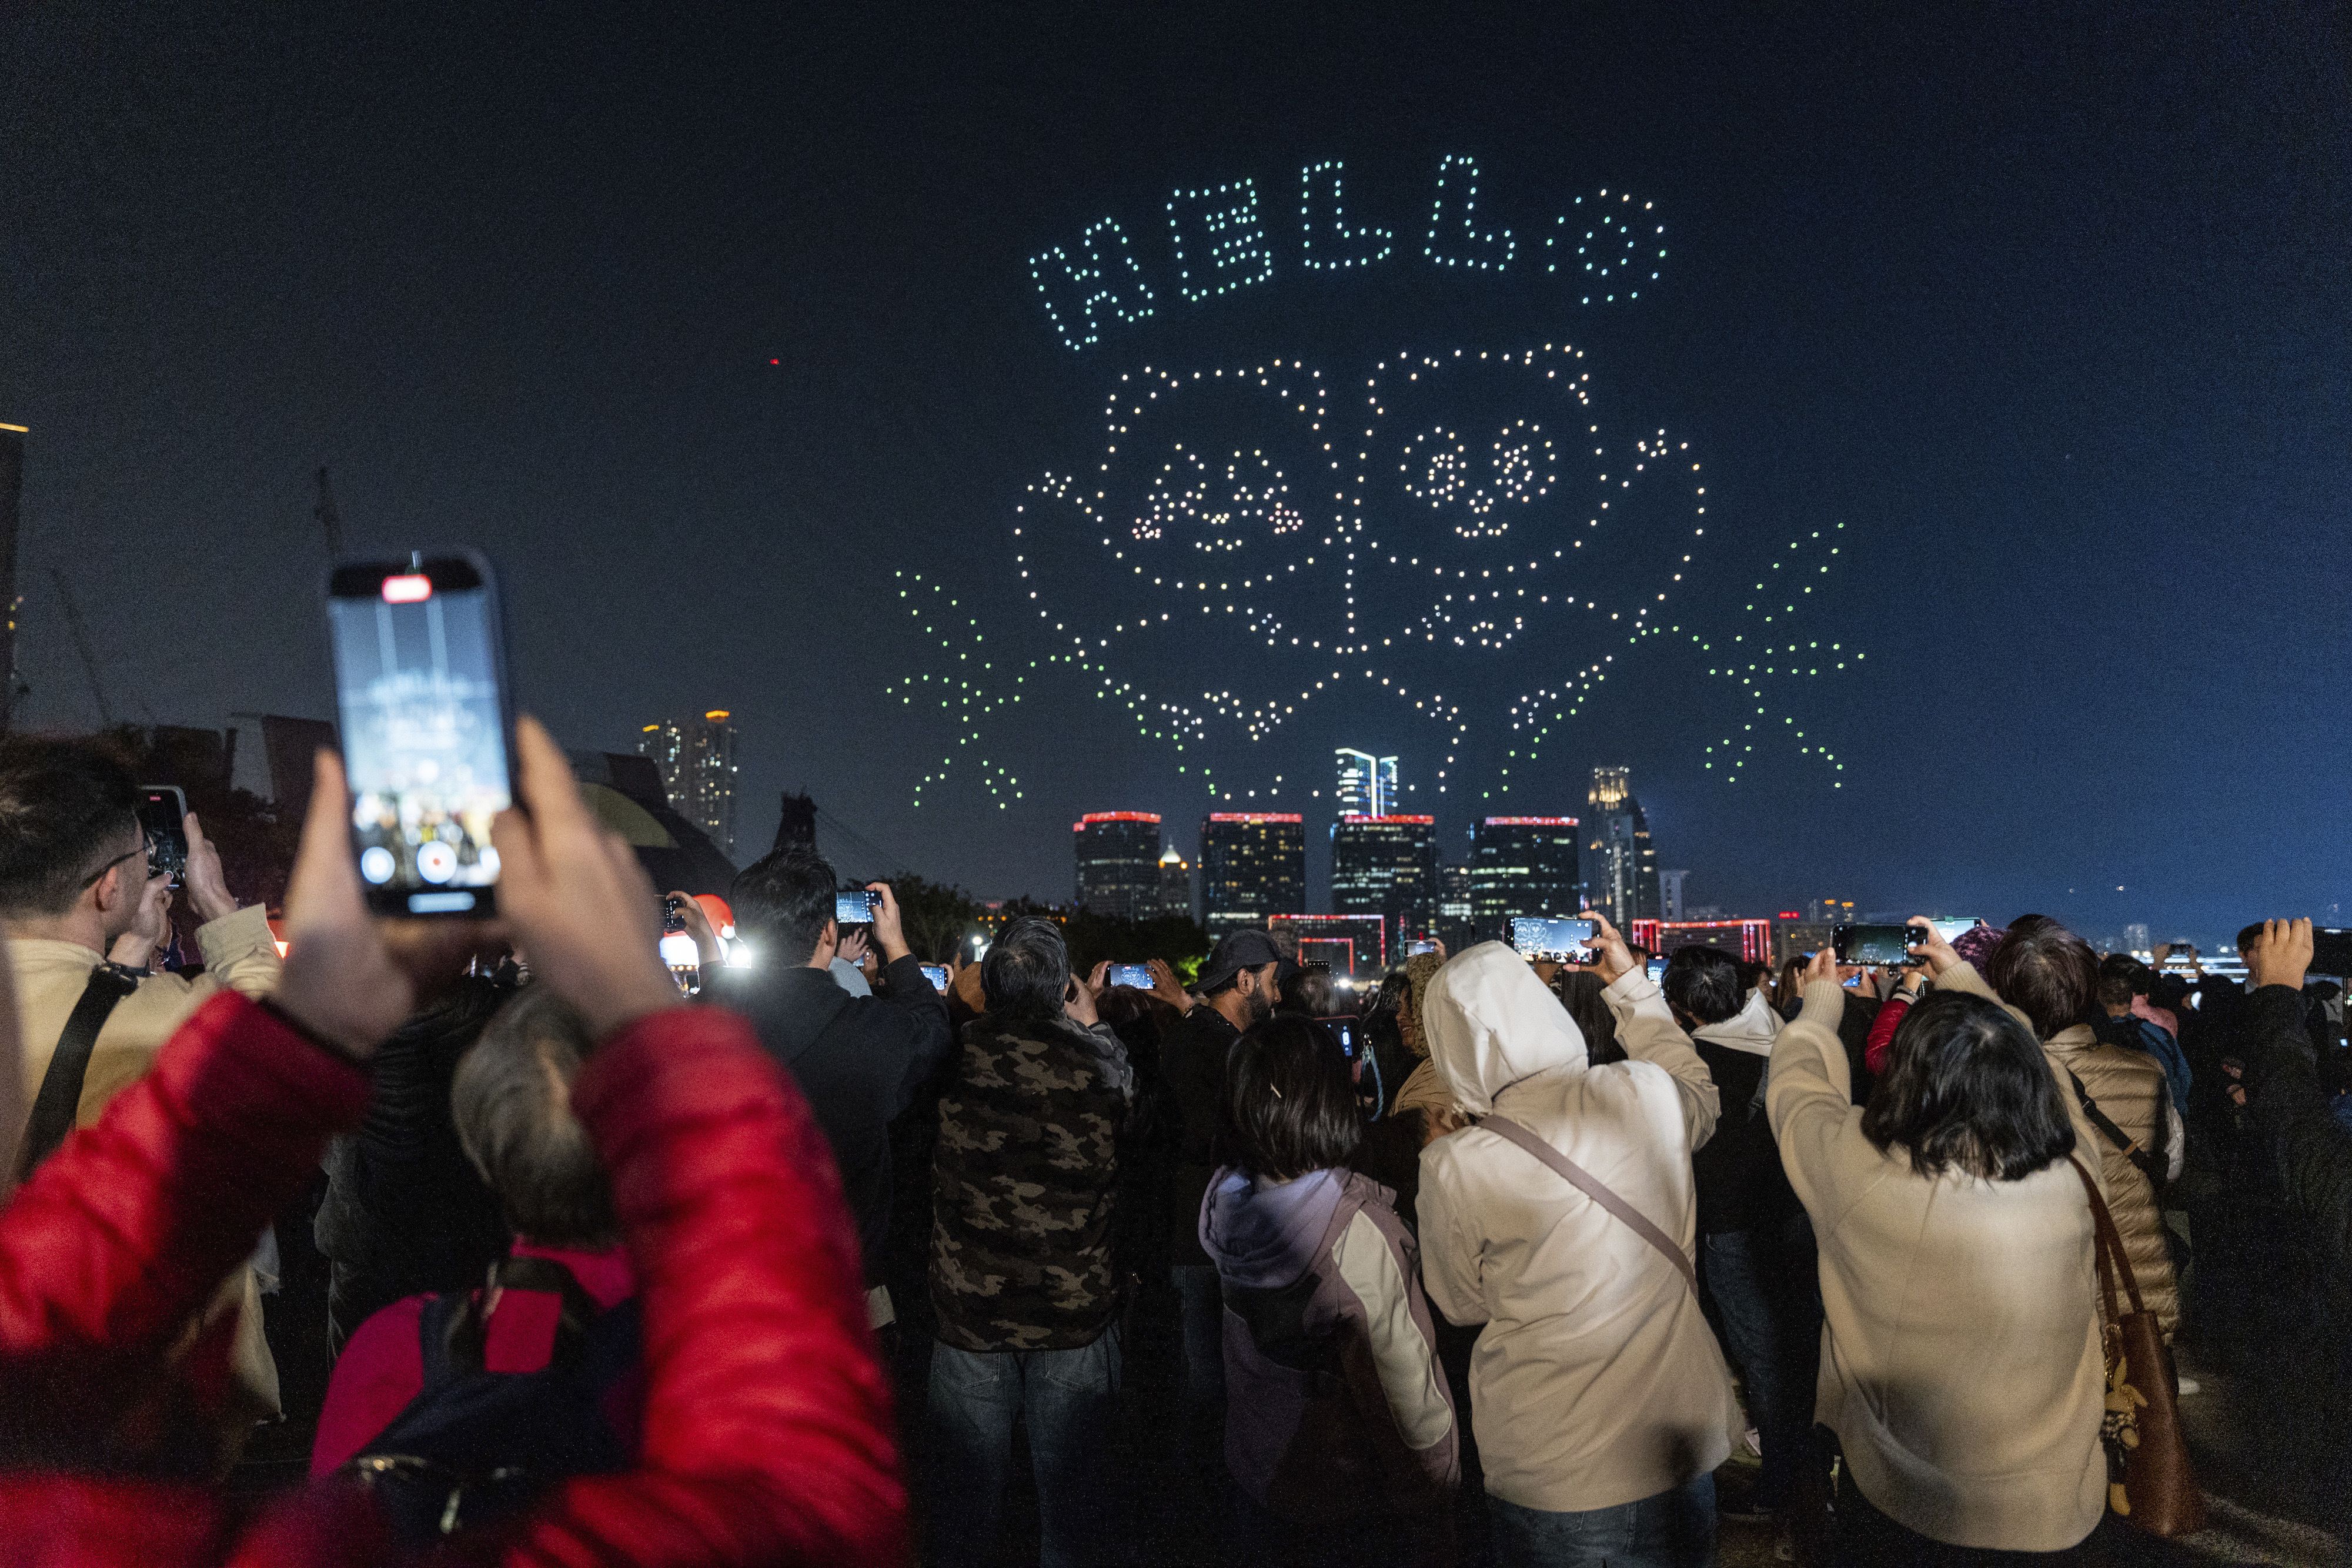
[1263, 1236]
[1752, 1028]
[1490, 1023]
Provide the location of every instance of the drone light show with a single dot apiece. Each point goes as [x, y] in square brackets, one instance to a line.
[1458, 545]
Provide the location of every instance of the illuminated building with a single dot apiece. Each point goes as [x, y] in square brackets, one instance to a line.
[1386, 866]
[2136, 941]
[1368, 784]
[1621, 867]
[1750, 940]
[1118, 864]
[696, 757]
[1454, 918]
[1522, 865]
[1670, 894]
[1253, 865]
[1355, 945]
[1175, 883]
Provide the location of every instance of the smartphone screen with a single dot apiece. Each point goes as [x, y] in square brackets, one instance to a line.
[1136, 975]
[1658, 969]
[162, 811]
[428, 731]
[1344, 1031]
[1417, 948]
[938, 975]
[1549, 938]
[1872, 944]
[856, 907]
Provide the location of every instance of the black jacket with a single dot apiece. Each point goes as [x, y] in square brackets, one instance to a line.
[859, 1060]
[1192, 1073]
[2308, 1151]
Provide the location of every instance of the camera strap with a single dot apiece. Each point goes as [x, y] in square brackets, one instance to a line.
[60, 1099]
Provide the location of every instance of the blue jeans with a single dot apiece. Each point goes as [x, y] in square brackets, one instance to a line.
[1765, 1322]
[1672, 1529]
[1203, 1302]
[1065, 1397]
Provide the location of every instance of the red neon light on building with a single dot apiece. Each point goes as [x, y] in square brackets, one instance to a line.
[1531, 822]
[1256, 817]
[1789, 914]
[1359, 817]
[1755, 936]
[1114, 817]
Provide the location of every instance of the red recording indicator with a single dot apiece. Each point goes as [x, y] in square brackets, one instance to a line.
[411, 589]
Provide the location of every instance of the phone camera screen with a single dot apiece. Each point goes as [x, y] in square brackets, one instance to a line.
[855, 908]
[423, 732]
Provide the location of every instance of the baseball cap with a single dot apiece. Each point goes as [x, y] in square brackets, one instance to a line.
[1242, 950]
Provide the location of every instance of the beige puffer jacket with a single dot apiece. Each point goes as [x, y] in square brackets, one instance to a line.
[2128, 1086]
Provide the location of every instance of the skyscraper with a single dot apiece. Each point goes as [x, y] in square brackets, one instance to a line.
[697, 760]
[1621, 866]
[1670, 894]
[1253, 864]
[1386, 866]
[1118, 864]
[1522, 865]
[1368, 784]
[1175, 883]
[1454, 916]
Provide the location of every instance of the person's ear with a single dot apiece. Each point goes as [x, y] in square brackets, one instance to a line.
[113, 889]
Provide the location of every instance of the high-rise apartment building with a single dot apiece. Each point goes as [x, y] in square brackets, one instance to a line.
[1253, 864]
[1175, 883]
[1368, 784]
[1118, 864]
[1522, 865]
[696, 757]
[1456, 920]
[1620, 865]
[1386, 866]
[1670, 894]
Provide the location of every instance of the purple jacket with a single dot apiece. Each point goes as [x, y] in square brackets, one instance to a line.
[1334, 1404]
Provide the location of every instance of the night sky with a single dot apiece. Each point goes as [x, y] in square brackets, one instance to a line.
[717, 331]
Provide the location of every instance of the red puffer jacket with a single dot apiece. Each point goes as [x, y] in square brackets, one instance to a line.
[767, 1434]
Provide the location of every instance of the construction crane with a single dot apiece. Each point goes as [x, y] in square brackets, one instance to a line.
[81, 646]
[330, 520]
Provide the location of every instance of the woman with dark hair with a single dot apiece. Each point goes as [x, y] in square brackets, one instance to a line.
[2123, 1110]
[1340, 1430]
[1961, 1366]
[1579, 991]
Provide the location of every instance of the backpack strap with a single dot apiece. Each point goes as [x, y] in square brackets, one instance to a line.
[463, 1339]
[55, 1107]
[2149, 1165]
[1585, 1182]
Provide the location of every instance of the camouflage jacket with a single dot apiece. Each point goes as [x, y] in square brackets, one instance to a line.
[1021, 1186]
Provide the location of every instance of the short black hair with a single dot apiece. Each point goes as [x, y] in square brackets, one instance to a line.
[2122, 977]
[782, 901]
[2046, 972]
[1027, 971]
[66, 808]
[1579, 991]
[1289, 1106]
[512, 1102]
[1967, 1087]
[1704, 982]
[2249, 936]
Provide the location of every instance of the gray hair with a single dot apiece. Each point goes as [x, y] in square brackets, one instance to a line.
[512, 1100]
[1027, 971]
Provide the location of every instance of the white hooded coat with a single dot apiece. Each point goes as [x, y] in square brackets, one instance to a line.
[1597, 1382]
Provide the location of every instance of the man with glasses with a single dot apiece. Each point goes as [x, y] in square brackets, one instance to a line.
[84, 918]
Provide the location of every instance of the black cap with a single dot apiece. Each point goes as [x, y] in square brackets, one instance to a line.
[1242, 950]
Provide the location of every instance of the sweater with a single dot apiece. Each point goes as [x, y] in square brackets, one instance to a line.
[1597, 1381]
[1961, 1364]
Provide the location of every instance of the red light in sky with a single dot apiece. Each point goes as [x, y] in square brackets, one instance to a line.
[775, 362]
[411, 589]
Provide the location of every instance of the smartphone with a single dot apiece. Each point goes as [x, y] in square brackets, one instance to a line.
[1344, 1031]
[162, 817]
[1414, 949]
[1548, 937]
[1657, 968]
[2331, 951]
[672, 921]
[427, 720]
[938, 975]
[1872, 944]
[1136, 975]
[856, 906]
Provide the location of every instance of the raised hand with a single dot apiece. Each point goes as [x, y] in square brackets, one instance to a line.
[1612, 957]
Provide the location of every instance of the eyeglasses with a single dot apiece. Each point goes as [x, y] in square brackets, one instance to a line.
[93, 879]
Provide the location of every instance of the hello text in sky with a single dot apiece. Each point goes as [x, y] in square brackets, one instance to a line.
[1222, 238]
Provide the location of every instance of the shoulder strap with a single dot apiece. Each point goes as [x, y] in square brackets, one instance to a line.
[1585, 1182]
[2109, 1242]
[60, 1099]
[2146, 1162]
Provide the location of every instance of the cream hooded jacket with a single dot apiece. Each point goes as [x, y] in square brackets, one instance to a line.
[1597, 1381]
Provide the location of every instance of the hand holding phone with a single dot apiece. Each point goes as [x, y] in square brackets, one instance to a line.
[1136, 975]
[854, 907]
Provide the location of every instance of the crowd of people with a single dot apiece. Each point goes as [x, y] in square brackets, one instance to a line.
[1504, 1260]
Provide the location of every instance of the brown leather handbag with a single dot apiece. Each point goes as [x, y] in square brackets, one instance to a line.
[2150, 1484]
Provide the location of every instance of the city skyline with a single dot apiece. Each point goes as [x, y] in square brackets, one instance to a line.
[696, 757]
